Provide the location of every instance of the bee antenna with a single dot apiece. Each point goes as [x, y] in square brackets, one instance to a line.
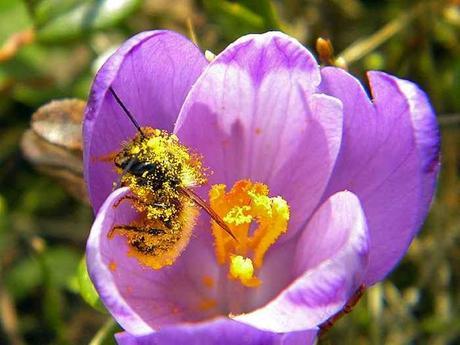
[127, 112]
[200, 202]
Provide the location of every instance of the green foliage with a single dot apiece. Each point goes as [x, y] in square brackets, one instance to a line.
[235, 19]
[24, 277]
[86, 287]
[14, 17]
[59, 21]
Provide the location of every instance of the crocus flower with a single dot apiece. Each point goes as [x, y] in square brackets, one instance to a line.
[358, 176]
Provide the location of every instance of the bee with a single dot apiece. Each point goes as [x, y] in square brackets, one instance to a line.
[161, 174]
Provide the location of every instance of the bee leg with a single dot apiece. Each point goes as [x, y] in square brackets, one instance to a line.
[128, 197]
[139, 229]
[142, 247]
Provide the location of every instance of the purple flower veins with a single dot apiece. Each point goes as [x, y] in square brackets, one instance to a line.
[323, 187]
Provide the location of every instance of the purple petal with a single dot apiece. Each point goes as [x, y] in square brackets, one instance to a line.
[219, 331]
[252, 115]
[152, 73]
[425, 130]
[389, 158]
[330, 263]
[139, 298]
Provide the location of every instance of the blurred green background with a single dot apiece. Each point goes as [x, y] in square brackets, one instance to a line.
[50, 49]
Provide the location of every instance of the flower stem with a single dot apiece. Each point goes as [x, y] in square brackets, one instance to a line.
[107, 329]
[364, 46]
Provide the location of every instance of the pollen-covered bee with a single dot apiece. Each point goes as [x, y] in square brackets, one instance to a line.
[160, 173]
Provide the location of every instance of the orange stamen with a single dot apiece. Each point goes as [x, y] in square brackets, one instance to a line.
[245, 203]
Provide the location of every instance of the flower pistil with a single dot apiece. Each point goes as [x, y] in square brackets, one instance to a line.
[245, 203]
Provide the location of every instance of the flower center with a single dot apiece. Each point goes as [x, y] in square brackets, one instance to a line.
[245, 203]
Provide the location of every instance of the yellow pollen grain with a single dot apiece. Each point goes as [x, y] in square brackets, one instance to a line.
[281, 207]
[135, 150]
[237, 215]
[242, 269]
[261, 204]
[153, 142]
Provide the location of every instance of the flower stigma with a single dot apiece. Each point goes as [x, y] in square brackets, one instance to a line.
[245, 203]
